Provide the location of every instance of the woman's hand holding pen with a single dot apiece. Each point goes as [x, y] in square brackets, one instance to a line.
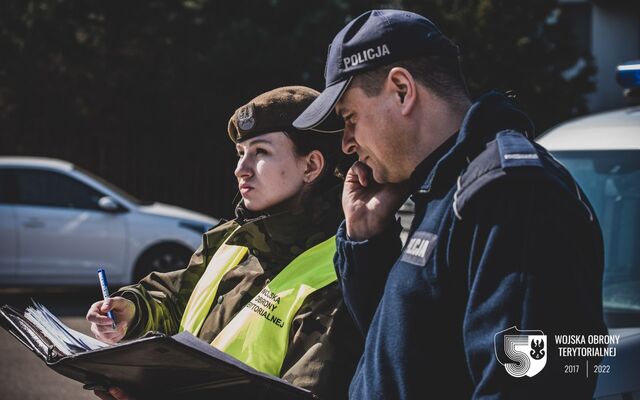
[102, 326]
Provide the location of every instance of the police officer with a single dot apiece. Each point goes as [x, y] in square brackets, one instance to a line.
[262, 287]
[502, 236]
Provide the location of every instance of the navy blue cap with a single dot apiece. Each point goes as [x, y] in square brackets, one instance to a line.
[374, 39]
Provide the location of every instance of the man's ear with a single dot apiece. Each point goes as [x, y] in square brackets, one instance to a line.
[314, 166]
[401, 83]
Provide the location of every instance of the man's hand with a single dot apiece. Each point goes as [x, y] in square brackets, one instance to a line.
[102, 326]
[369, 207]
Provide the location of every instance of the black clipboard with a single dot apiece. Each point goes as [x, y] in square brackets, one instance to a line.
[156, 366]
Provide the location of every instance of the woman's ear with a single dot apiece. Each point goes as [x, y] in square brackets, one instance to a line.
[314, 166]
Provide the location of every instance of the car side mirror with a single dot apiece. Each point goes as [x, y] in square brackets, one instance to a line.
[106, 203]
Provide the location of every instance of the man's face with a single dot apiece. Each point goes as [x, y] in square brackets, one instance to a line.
[371, 130]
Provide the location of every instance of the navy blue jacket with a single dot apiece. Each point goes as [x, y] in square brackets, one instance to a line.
[502, 237]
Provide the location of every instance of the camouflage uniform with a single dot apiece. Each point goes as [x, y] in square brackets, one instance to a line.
[324, 345]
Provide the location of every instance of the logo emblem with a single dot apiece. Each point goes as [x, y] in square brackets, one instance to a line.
[366, 55]
[521, 352]
[419, 248]
[246, 117]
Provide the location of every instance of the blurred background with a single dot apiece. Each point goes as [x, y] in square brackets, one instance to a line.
[139, 93]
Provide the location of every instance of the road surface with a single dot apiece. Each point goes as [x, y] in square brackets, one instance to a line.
[22, 374]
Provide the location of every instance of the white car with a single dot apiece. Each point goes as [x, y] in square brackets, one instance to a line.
[602, 152]
[59, 224]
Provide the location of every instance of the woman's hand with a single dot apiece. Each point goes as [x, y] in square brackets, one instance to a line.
[102, 326]
[369, 206]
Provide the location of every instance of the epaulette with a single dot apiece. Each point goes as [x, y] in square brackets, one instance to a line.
[510, 153]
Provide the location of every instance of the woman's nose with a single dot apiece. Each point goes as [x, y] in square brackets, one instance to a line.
[243, 168]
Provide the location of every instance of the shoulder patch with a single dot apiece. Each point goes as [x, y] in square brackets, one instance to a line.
[418, 248]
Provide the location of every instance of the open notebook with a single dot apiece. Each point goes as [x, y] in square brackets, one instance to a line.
[154, 366]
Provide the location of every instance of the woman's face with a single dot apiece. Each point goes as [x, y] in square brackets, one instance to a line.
[269, 172]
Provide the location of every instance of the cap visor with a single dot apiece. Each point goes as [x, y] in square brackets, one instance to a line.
[322, 107]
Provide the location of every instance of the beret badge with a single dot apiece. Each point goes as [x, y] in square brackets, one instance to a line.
[246, 117]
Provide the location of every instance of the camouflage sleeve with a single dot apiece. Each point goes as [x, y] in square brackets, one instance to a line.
[160, 298]
[324, 347]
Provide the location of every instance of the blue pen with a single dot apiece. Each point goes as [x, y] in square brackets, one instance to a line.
[105, 293]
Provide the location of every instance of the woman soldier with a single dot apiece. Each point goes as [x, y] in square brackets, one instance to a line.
[266, 277]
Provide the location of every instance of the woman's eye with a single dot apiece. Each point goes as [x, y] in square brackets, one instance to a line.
[261, 151]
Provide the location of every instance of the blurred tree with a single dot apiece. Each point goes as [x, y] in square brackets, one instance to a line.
[527, 47]
[141, 92]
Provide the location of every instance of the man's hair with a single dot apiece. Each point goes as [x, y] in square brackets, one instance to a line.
[440, 74]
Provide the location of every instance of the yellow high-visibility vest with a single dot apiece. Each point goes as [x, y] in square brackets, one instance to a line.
[259, 334]
[225, 259]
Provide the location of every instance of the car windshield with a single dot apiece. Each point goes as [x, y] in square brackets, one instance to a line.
[113, 188]
[611, 180]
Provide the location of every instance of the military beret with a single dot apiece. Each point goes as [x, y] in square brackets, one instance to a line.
[275, 111]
